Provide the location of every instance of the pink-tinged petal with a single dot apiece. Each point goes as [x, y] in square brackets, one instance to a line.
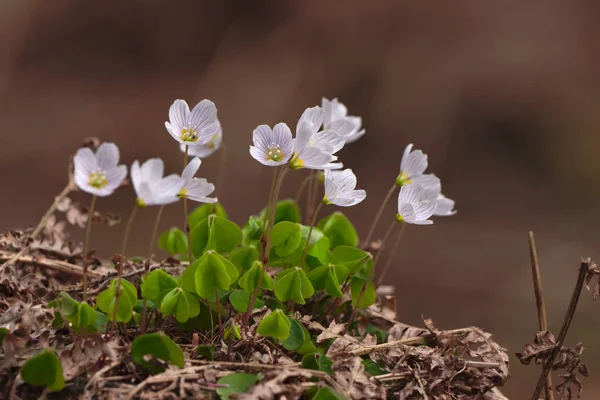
[178, 115]
[190, 170]
[85, 161]
[152, 170]
[107, 156]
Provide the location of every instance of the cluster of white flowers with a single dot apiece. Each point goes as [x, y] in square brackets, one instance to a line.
[200, 134]
[420, 195]
[321, 132]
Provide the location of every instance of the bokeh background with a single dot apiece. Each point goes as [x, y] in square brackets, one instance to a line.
[502, 95]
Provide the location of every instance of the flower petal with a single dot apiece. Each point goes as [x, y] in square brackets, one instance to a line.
[190, 170]
[198, 189]
[178, 115]
[165, 190]
[107, 156]
[85, 161]
[314, 115]
[152, 170]
[115, 176]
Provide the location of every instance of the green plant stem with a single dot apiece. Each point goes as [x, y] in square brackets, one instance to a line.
[128, 230]
[119, 266]
[86, 244]
[144, 321]
[363, 289]
[282, 174]
[222, 166]
[312, 225]
[186, 224]
[218, 304]
[386, 200]
[155, 232]
[309, 194]
[383, 242]
[268, 209]
[302, 187]
[391, 257]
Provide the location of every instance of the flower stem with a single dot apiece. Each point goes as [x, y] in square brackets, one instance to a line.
[309, 194]
[222, 165]
[155, 232]
[383, 241]
[312, 225]
[302, 187]
[128, 230]
[391, 257]
[86, 243]
[358, 299]
[386, 200]
[40, 226]
[186, 224]
[119, 266]
[282, 174]
[269, 205]
[218, 303]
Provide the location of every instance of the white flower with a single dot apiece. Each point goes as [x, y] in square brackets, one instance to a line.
[205, 150]
[150, 186]
[99, 173]
[336, 117]
[196, 188]
[412, 166]
[314, 149]
[413, 207]
[444, 206]
[195, 127]
[340, 188]
[272, 147]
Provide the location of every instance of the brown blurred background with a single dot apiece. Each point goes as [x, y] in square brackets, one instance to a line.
[502, 95]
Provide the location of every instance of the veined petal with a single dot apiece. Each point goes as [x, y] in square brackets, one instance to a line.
[314, 158]
[115, 176]
[409, 194]
[85, 161]
[416, 163]
[333, 110]
[445, 207]
[329, 141]
[349, 199]
[424, 209]
[165, 190]
[203, 115]
[429, 181]
[346, 180]
[407, 213]
[304, 132]
[284, 139]
[190, 170]
[152, 170]
[314, 115]
[107, 156]
[136, 177]
[343, 126]
[353, 137]
[178, 115]
[198, 189]
[173, 131]
[261, 137]
[404, 160]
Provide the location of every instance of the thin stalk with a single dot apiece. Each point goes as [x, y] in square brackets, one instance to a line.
[119, 266]
[128, 230]
[222, 165]
[386, 200]
[144, 320]
[274, 207]
[383, 242]
[309, 194]
[541, 384]
[219, 315]
[312, 225]
[270, 201]
[86, 244]
[359, 298]
[40, 226]
[186, 225]
[540, 303]
[302, 187]
[391, 257]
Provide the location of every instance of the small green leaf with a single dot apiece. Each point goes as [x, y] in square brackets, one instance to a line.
[296, 337]
[181, 304]
[275, 325]
[224, 235]
[252, 230]
[213, 272]
[234, 331]
[239, 300]
[351, 257]
[207, 351]
[320, 252]
[286, 238]
[318, 362]
[236, 383]
[249, 280]
[44, 369]
[372, 368]
[287, 210]
[339, 230]
[293, 284]
[369, 297]
[159, 346]
[204, 211]
[174, 242]
[100, 322]
[328, 277]
[127, 300]
[199, 236]
[243, 258]
[86, 316]
[155, 283]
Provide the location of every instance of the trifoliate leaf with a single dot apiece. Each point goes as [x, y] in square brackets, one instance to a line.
[287, 210]
[236, 383]
[127, 300]
[204, 211]
[252, 231]
[174, 242]
[199, 236]
[249, 280]
[351, 257]
[243, 258]
[286, 238]
[320, 252]
[339, 230]
[296, 338]
[155, 283]
[181, 304]
[328, 277]
[159, 346]
[293, 284]
[275, 325]
[213, 272]
[368, 297]
[44, 369]
[224, 235]
[240, 300]
[232, 331]
[318, 362]
[207, 351]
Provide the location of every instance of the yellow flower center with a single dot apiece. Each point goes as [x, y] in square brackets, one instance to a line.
[97, 179]
[188, 135]
[403, 179]
[212, 144]
[140, 203]
[182, 193]
[274, 153]
[295, 162]
[399, 218]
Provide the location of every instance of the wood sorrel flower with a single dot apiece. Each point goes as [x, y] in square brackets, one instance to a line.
[412, 166]
[272, 147]
[98, 173]
[340, 188]
[336, 117]
[196, 188]
[413, 205]
[314, 149]
[150, 186]
[196, 127]
[205, 150]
